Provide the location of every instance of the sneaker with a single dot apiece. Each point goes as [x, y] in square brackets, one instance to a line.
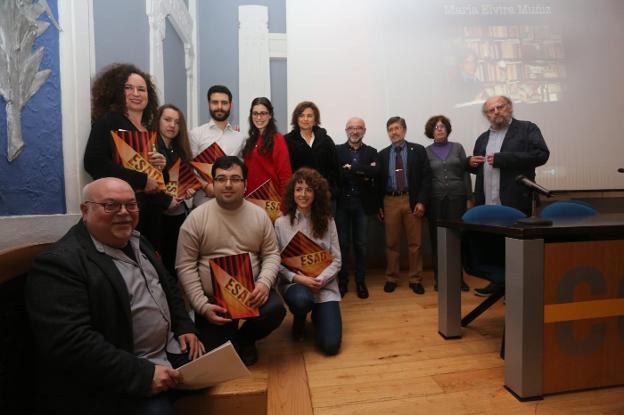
[390, 286]
[298, 328]
[417, 287]
[486, 291]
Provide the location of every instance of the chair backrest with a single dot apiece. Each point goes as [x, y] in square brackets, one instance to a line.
[17, 351]
[483, 254]
[567, 209]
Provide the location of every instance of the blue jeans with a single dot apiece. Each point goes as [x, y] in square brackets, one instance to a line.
[352, 221]
[325, 317]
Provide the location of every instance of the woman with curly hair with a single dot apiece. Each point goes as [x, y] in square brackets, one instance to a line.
[124, 98]
[265, 152]
[307, 208]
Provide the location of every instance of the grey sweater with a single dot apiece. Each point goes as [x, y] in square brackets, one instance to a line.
[449, 177]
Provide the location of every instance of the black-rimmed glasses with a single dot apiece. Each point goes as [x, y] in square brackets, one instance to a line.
[232, 179]
[114, 206]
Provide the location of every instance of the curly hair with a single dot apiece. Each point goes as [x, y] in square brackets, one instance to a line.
[431, 123]
[181, 141]
[268, 138]
[302, 106]
[321, 206]
[107, 92]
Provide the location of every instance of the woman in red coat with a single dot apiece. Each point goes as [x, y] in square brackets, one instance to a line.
[265, 152]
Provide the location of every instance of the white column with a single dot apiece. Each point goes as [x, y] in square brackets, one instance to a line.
[75, 49]
[156, 16]
[254, 78]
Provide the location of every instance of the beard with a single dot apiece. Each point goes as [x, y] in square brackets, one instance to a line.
[220, 116]
[501, 121]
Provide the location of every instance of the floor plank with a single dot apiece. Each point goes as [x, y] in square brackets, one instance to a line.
[393, 361]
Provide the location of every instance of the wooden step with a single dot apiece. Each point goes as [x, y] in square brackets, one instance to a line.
[278, 384]
[238, 396]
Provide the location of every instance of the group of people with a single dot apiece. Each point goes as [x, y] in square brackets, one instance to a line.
[105, 305]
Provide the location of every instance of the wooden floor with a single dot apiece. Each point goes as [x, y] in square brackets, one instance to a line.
[394, 362]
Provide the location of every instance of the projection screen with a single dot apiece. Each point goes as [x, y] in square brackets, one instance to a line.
[559, 61]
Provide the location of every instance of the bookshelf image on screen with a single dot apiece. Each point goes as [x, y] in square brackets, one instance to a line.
[525, 63]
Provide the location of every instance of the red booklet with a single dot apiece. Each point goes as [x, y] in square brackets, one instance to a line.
[181, 178]
[233, 283]
[131, 148]
[204, 161]
[305, 256]
[267, 198]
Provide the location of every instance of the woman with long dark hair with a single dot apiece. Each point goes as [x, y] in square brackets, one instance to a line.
[265, 152]
[173, 142]
[307, 208]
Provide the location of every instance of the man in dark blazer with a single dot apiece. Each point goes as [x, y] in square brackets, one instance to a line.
[404, 190]
[358, 168]
[509, 148]
[108, 320]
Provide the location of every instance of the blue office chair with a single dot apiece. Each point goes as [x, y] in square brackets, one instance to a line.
[488, 213]
[483, 255]
[567, 209]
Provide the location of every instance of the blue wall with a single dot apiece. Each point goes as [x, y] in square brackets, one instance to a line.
[121, 33]
[217, 23]
[175, 74]
[34, 182]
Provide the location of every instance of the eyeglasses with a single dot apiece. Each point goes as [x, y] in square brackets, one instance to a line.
[440, 127]
[355, 128]
[261, 114]
[232, 179]
[114, 206]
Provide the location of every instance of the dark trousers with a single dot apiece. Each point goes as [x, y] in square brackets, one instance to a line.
[351, 222]
[447, 208]
[161, 404]
[325, 317]
[271, 315]
[169, 245]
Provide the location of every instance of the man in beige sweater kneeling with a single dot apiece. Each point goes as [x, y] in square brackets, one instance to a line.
[229, 225]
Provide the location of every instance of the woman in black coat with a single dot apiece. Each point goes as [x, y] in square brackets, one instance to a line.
[123, 98]
[310, 146]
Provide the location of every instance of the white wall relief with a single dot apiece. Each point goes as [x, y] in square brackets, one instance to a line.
[157, 12]
[20, 77]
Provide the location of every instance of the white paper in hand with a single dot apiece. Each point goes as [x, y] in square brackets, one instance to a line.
[218, 365]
